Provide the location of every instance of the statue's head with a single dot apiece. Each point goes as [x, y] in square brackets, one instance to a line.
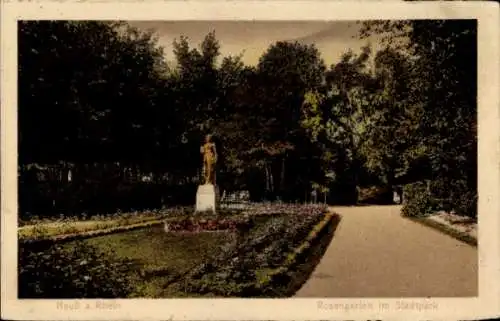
[208, 138]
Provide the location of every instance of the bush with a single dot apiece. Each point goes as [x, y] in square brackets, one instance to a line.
[76, 272]
[417, 200]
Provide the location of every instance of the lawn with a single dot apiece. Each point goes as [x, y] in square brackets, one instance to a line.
[159, 258]
[137, 263]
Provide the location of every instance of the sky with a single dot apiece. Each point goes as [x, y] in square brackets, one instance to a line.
[252, 38]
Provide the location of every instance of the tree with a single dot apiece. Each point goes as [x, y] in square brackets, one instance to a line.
[393, 115]
[336, 117]
[285, 72]
[68, 103]
[89, 94]
[444, 55]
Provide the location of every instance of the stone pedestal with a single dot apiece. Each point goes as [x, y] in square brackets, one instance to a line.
[207, 198]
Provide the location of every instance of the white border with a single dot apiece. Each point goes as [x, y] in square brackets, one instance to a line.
[486, 305]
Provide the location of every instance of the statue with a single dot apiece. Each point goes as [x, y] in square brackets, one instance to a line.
[209, 160]
[207, 196]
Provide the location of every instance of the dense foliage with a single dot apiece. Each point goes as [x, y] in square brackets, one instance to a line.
[106, 124]
[440, 111]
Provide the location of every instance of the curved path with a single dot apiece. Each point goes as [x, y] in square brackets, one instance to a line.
[377, 253]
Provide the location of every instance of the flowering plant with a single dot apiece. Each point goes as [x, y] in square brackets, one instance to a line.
[205, 224]
[235, 270]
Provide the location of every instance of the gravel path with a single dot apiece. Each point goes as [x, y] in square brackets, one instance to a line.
[377, 253]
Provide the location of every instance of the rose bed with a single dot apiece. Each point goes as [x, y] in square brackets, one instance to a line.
[205, 225]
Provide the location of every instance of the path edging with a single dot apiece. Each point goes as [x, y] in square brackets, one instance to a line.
[298, 251]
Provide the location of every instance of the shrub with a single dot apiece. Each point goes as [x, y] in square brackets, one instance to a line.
[76, 272]
[417, 200]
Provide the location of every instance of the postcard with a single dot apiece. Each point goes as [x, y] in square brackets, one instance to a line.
[252, 160]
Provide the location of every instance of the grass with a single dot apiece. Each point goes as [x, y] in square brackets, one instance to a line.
[48, 229]
[62, 228]
[159, 258]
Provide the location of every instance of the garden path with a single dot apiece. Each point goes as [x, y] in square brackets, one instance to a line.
[377, 253]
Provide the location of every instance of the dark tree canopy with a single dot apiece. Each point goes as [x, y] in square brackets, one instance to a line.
[99, 101]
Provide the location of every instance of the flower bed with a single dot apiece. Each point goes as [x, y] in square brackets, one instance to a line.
[70, 228]
[205, 224]
[285, 208]
[77, 272]
[248, 250]
[118, 216]
[462, 228]
[47, 228]
[295, 256]
[238, 269]
[459, 223]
